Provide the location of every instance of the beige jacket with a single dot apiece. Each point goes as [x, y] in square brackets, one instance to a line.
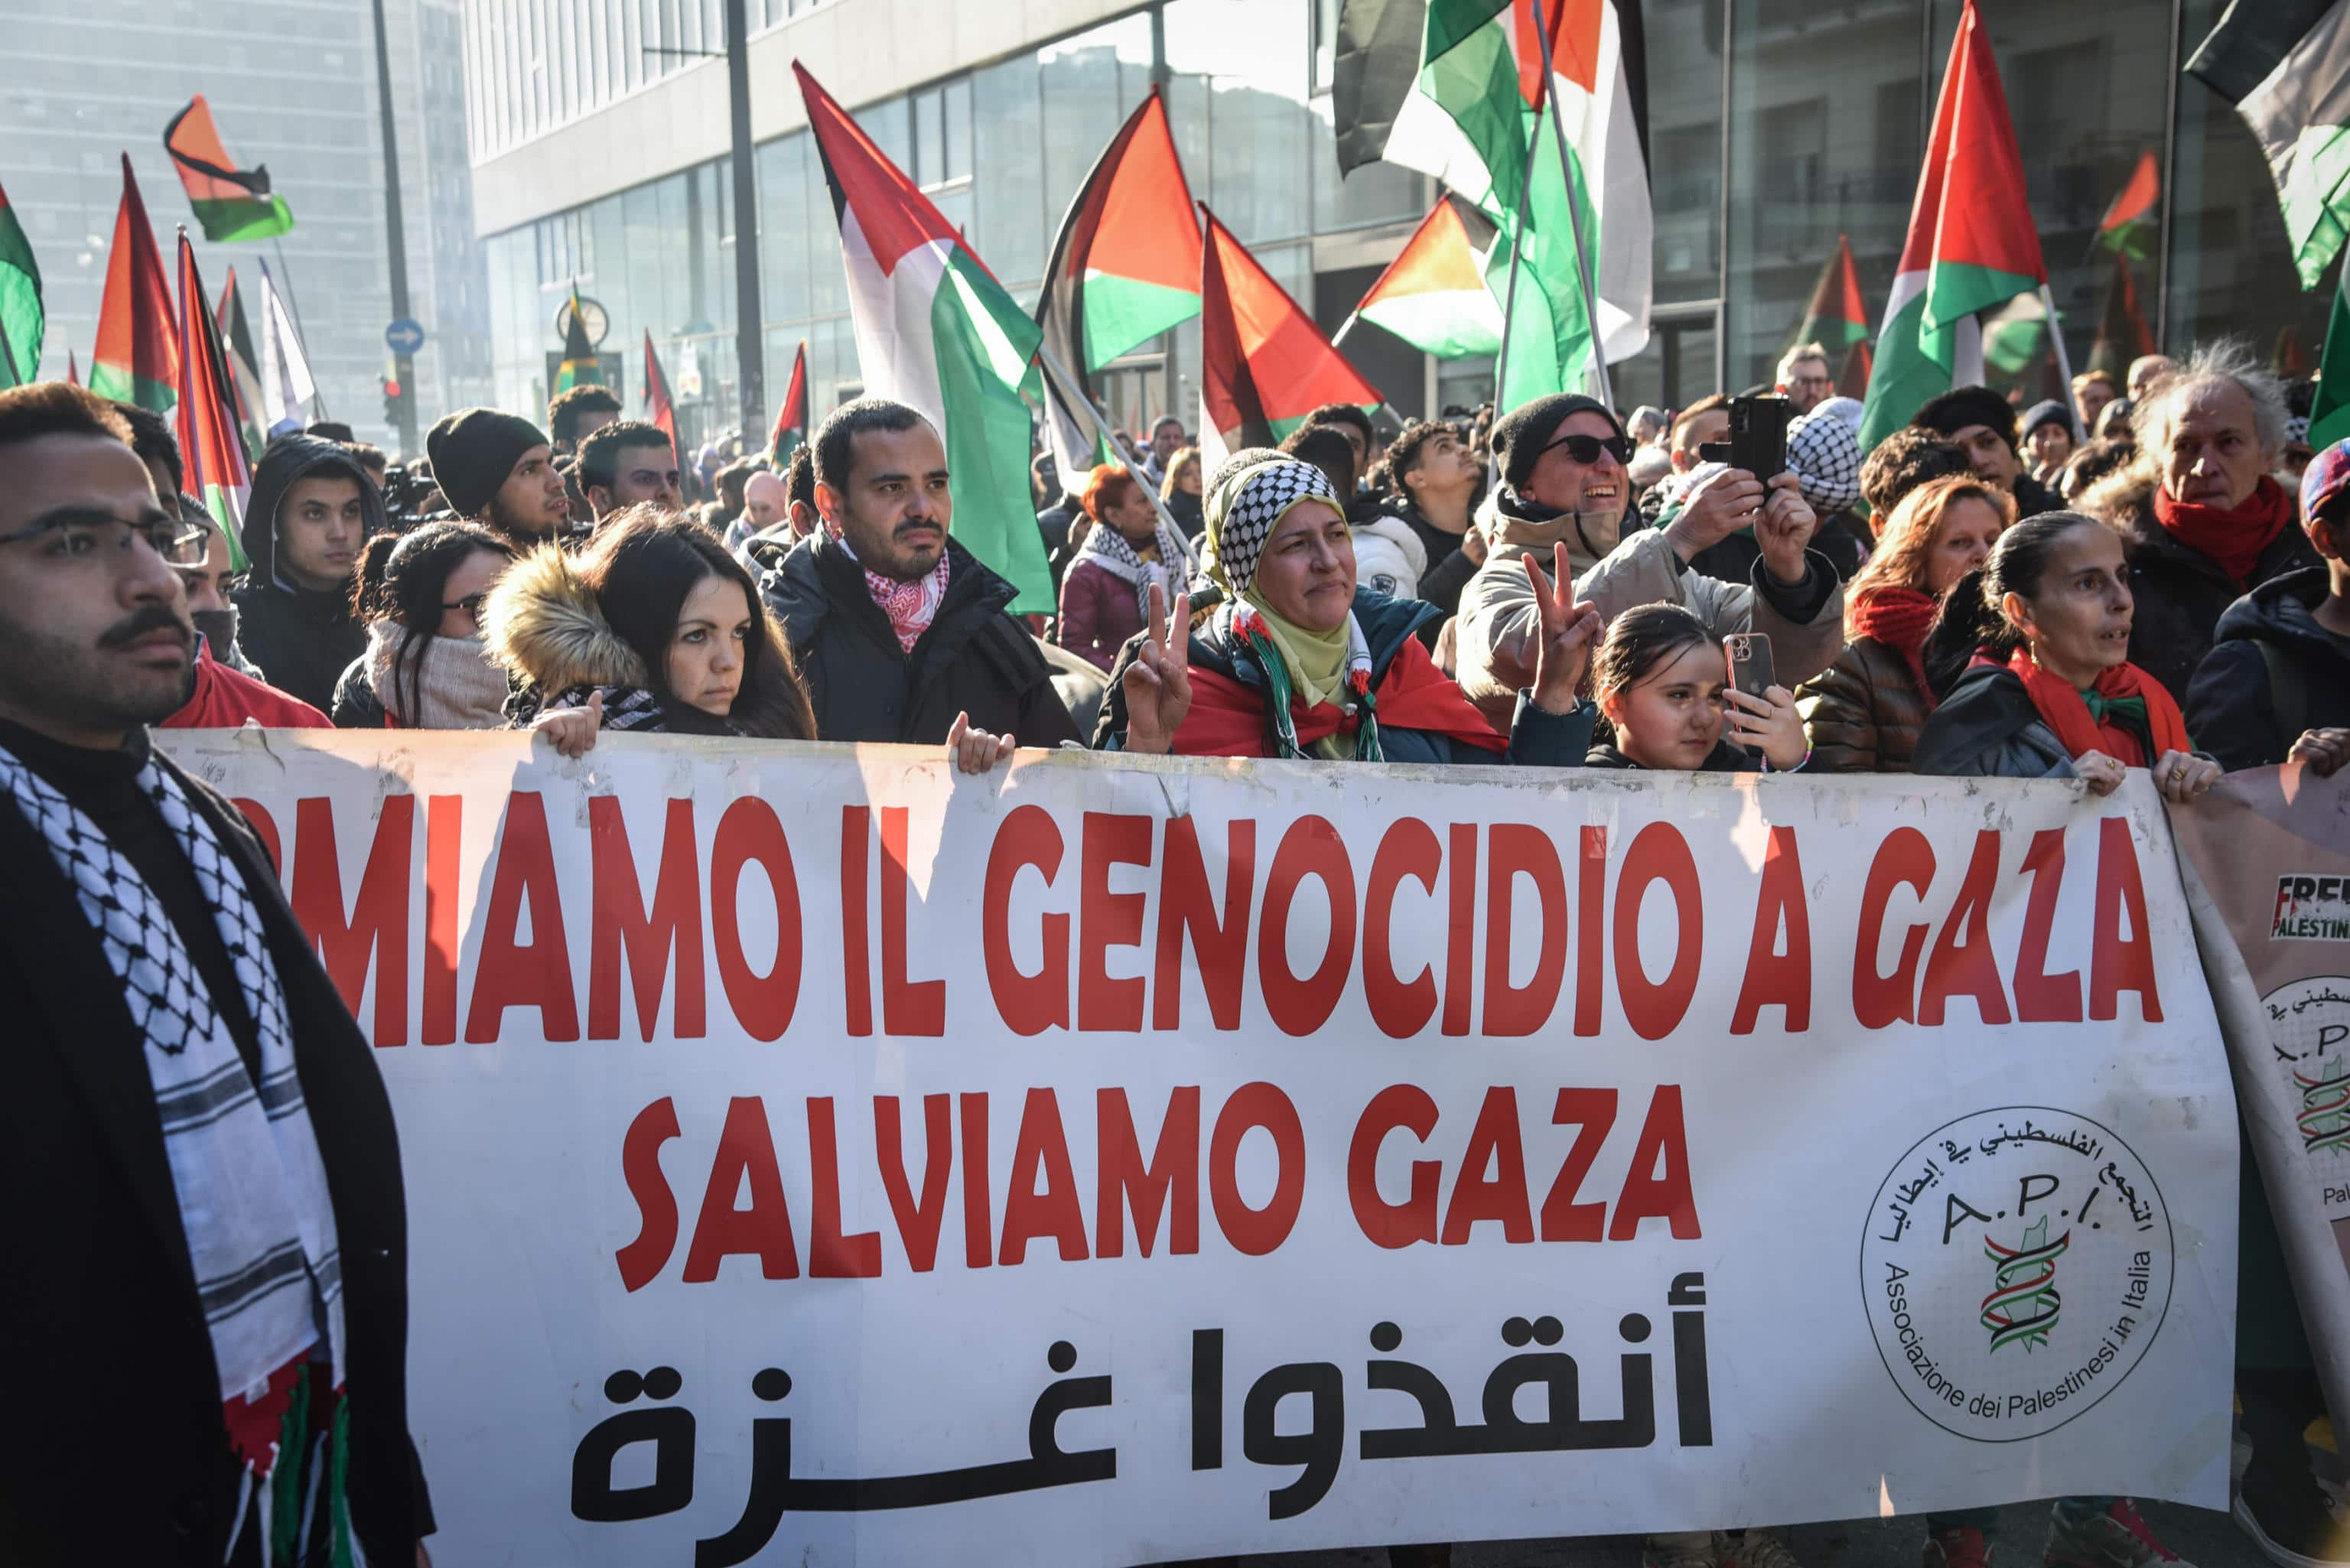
[1499, 623]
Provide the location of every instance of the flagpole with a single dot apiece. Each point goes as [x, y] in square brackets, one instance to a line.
[1070, 389]
[1542, 26]
[2064, 360]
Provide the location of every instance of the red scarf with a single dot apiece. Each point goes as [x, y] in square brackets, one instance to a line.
[1900, 618]
[2231, 538]
[1227, 717]
[2066, 712]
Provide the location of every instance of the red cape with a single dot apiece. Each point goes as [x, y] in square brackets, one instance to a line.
[225, 698]
[1227, 717]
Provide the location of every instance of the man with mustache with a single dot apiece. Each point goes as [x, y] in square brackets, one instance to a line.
[900, 633]
[202, 1254]
[310, 510]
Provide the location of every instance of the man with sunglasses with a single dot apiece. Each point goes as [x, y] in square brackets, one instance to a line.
[153, 979]
[1562, 461]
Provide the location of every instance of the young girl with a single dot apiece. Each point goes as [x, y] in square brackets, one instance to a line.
[1664, 686]
[425, 666]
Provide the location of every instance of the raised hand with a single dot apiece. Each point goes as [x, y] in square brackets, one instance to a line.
[1784, 529]
[1569, 632]
[1769, 723]
[976, 750]
[1158, 684]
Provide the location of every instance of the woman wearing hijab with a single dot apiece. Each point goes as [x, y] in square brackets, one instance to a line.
[1297, 663]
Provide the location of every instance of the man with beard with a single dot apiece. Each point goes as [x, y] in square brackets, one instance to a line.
[308, 514]
[1561, 458]
[629, 463]
[497, 470]
[134, 1104]
[900, 633]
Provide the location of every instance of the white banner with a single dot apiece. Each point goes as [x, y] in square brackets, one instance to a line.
[816, 1156]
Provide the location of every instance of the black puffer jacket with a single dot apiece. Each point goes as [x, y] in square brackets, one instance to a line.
[2232, 705]
[975, 657]
[2182, 592]
[299, 638]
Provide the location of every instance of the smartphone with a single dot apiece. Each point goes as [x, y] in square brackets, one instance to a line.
[1758, 437]
[1750, 668]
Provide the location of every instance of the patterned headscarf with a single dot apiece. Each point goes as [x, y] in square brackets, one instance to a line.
[1825, 456]
[2326, 483]
[1240, 511]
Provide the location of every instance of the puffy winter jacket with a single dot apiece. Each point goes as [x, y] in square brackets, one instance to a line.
[1863, 712]
[1100, 611]
[1987, 728]
[1388, 556]
[2232, 703]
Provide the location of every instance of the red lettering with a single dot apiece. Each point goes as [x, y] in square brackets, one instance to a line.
[509, 973]
[856, 962]
[1592, 1112]
[746, 1153]
[1042, 1149]
[1107, 920]
[1513, 849]
[2116, 962]
[2041, 997]
[1658, 1185]
[1256, 1231]
[978, 1210]
[1962, 963]
[621, 924]
[1460, 928]
[1904, 860]
[378, 925]
[917, 1224]
[909, 1006]
[444, 822]
[749, 833]
[831, 1254]
[1657, 854]
[1495, 1145]
[1414, 1219]
[1775, 979]
[1186, 908]
[1311, 847]
[1171, 1179]
[645, 1257]
[1400, 1007]
[1028, 1003]
[1591, 897]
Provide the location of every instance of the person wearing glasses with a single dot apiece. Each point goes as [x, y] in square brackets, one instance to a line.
[153, 979]
[1805, 379]
[1563, 483]
[311, 511]
[426, 666]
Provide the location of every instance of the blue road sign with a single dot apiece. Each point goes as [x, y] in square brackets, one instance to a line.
[403, 336]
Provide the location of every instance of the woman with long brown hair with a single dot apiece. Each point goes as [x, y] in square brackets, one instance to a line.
[1864, 711]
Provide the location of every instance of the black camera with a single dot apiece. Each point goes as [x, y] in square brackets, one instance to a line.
[1758, 437]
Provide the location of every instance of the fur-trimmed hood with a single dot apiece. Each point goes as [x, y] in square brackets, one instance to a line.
[542, 622]
[2123, 501]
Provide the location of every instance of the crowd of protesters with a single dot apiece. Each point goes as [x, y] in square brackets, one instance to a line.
[2151, 576]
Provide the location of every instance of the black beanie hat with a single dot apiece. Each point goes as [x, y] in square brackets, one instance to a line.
[1520, 435]
[1956, 410]
[473, 450]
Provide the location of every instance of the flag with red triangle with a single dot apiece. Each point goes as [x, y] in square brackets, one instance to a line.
[1836, 318]
[659, 410]
[935, 330]
[232, 203]
[1433, 295]
[791, 420]
[212, 449]
[1124, 268]
[137, 359]
[2123, 226]
[1971, 245]
[1263, 365]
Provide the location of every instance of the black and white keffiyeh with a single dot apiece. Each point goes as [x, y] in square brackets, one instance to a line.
[1110, 550]
[1824, 454]
[244, 1160]
[1243, 509]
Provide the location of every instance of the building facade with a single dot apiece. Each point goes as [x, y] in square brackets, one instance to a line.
[292, 85]
[599, 144]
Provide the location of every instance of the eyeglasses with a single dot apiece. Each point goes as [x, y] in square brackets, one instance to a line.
[180, 541]
[1585, 450]
[471, 604]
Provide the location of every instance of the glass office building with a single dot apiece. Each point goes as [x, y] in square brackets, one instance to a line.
[1775, 127]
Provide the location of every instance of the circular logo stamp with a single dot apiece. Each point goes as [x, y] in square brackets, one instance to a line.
[2309, 1030]
[2016, 1264]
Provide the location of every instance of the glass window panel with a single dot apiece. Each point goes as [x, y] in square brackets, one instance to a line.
[1375, 193]
[1090, 82]
[930, 144]
[1253, 57]
[827, 286]
[957, 95]
[784, 221]
[1010, 225]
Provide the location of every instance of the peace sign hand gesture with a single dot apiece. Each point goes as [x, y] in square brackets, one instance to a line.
[1569, 632]
[1158, 684]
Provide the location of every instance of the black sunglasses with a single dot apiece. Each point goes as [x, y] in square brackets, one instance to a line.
[1587, 449]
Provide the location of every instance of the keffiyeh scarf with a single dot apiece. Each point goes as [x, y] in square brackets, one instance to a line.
[1110, 550]
[244, 1163]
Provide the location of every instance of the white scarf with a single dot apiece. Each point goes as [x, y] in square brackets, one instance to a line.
[459, 686]
[1110, 550]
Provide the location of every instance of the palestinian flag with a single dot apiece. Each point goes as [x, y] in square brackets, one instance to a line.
[73, 369]
[1433, 295]
[2015, 338]
[210, 446]
[791, 420]
[935, 330]
[1263, 365]
[137, 358]
[659, 410]
[1836, 317]
[579, 367]
[1455, 89]
[232, 203]
[2123, 333]
[287, 388]
[244, 365]
[2123, 228]
[2329, 412]
[1124, 268]
[1972, 244]
[2286, 64]
[22, 318]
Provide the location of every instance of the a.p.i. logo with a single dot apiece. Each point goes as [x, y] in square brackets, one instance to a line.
[2016, 1265]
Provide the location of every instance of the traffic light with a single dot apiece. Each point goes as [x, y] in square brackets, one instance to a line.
[391, 390]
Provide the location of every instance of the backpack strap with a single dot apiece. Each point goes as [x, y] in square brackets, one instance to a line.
[2288, 692]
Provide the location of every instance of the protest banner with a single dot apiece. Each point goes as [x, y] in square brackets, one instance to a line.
[816, 1156]
[2267, 859]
